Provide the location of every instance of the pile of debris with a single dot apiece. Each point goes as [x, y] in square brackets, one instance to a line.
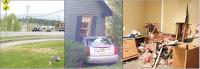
[152, 51]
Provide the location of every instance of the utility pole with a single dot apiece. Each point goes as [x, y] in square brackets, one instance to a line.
[58, 18]
[41, 21]
[0, 28]
[58, 21]
[0, 9]
[58, 25]
[6, 22]
[27, 16]
[5, 8]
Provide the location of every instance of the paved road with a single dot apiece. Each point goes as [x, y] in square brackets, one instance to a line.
[9, 44]
[29, 33]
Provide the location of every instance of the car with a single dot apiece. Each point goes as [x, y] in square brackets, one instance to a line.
[61, 30]
[48, 30]
[100, 50]
[35, 29]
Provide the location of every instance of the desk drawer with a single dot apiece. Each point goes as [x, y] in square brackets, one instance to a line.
[129, 43]
[129, 52]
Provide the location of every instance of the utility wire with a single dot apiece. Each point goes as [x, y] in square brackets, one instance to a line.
[48, 14]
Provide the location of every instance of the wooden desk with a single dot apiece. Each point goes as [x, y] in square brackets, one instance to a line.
[130, 49]
[183, 58]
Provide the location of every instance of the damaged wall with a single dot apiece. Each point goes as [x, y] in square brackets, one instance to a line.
[136, 13]
[153, 12]
[194, 11]
[175, 11]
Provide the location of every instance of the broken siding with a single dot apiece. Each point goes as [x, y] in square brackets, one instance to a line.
[75, 8]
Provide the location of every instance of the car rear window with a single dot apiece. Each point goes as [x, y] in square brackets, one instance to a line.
[98, 42]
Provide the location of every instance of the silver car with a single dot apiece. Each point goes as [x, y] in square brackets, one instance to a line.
[100, 50]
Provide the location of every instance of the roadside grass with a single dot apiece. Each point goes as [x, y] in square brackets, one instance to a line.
[32, 55]
[29, 37]
[38, 55]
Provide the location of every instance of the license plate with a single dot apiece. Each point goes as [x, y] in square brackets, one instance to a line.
[102, 49]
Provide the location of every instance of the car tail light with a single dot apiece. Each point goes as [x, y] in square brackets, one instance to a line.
[88, 51]
[116, 50]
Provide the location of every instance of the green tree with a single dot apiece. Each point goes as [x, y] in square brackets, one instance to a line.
[116, 20]
[11, 23]
[1, 25]
[45, 22]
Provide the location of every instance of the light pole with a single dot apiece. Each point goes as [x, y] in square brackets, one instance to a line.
[0, 9]
[0, 28]
[27, 10]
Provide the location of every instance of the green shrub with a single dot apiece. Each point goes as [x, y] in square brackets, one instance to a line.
[75, 54]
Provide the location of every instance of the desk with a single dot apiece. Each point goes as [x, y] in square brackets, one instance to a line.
[183, 58]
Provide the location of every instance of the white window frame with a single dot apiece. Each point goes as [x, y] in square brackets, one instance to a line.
[88, 21]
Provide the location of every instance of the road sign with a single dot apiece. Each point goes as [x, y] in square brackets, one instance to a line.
[6, 7]
[5, 2]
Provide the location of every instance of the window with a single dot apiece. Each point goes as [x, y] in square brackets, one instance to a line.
[98, 42]
[85, 25]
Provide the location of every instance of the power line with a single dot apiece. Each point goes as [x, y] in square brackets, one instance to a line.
[43, 16]
[48, 14]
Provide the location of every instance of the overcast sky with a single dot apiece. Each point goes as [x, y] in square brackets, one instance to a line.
[37, 8]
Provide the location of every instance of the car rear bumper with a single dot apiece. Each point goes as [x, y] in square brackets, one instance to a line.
[103, 59]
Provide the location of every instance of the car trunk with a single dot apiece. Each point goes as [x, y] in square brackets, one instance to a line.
[102, 50]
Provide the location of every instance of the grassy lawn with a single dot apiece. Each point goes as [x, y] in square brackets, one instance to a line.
[28, 37]
[32, 55]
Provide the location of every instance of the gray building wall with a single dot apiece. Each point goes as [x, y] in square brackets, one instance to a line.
[75, 8]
